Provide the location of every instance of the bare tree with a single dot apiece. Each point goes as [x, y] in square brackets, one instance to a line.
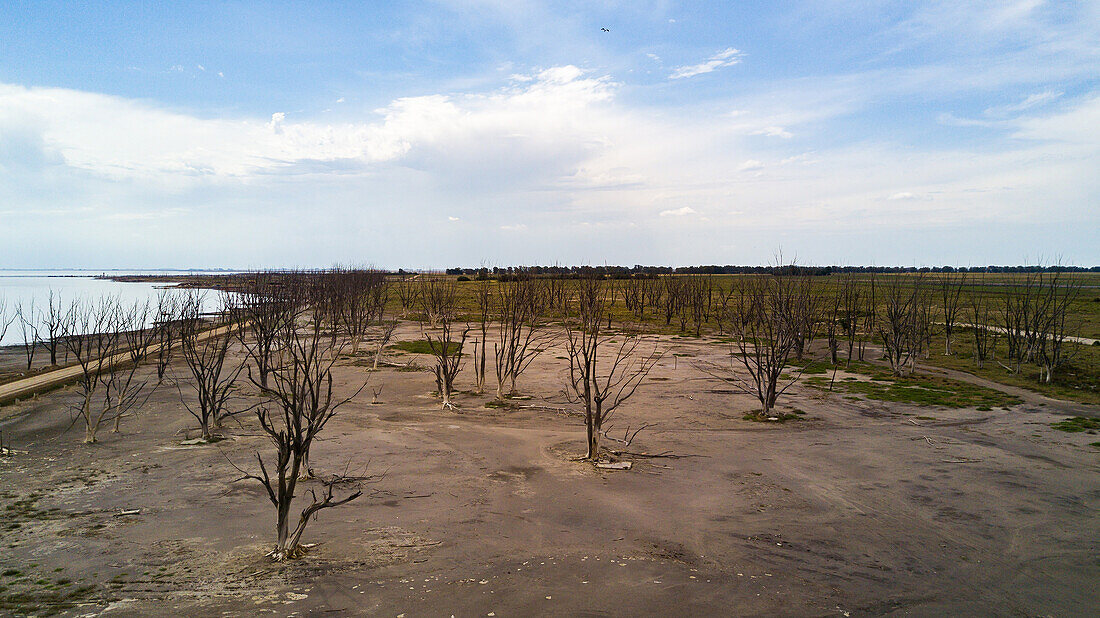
[91, 339]
[905, 321]
[766, 332]
[1053, 326]
[805, 306]
[28, 324]
[407, 292]
[362, 295]
[1020, 314]
[602, 381]
[439, 300]
[123, 391]
[165, 322]
[981, 319]
[52, 320]
[205, 351]
[301, 389]
[950, 288]
[520, 308]
[833, 301]
[483, 297]
[671, 297]
[5, 319]
[261, 311]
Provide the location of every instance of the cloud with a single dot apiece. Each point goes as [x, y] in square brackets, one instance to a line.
[726, 57]
[1033, 100]
[452, 218]
[678, 212]
[560, 148]
[904, 195]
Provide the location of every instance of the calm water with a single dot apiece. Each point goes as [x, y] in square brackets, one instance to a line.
[26, 287]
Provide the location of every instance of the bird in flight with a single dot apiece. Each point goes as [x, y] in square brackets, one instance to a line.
[604, 30]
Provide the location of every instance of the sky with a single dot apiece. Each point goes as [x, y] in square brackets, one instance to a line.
[448, 133]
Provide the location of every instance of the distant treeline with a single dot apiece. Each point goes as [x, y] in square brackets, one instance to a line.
[627, 272]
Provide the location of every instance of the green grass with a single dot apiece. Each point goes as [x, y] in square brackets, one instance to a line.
[1077, 424]
[423, 347]
[918, 390]
[779, 418]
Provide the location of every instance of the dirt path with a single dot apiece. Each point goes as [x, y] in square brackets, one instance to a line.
[42, 382]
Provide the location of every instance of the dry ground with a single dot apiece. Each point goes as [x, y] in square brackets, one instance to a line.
[862, 508]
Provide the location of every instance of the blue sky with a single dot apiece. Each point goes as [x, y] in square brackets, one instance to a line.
[461, 133]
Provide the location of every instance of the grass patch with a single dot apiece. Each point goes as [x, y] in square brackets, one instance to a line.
[422, 346]
[774, 418]
[1077, 424]
[919, 390]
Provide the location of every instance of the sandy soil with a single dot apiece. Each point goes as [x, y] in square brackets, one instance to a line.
[863, 508]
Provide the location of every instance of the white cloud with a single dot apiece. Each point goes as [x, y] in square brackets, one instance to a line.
[452, 218]
[550, 152]
[774, 132]
[751, 165]
[1033, 100]
[726, 57]
[678, 212]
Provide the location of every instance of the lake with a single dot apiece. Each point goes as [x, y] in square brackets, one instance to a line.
[24, 287]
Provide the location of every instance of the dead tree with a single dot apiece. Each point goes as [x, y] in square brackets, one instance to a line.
[602, 381]
[362, 295]
[1020, 314]
[165, 322]
[28, 324]
[699, 296]
[407, 291]
[439, 300]
[950, 288]
[213, 374]
[765, 336]
[124, 391]
[981, 319]
[261, 311]
[1053, 326]
[671, 297]
[5, 319]
[805, 305]
[301, 391]
[483, 297]
[833, 302]
[52, 319]
[520, 337]
[91, 339]
[905, 321]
